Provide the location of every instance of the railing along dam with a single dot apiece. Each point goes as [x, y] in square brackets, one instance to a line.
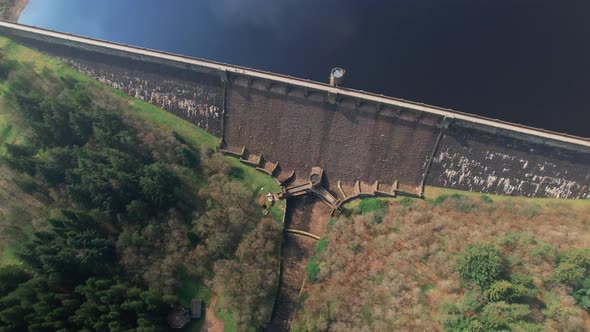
[285, 126]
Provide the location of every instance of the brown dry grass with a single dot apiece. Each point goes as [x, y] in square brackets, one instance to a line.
[396, 274]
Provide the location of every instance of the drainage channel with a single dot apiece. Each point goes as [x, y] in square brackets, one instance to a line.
[305, 215]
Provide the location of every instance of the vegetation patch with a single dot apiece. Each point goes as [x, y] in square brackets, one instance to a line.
[459, 262]
[126, 210]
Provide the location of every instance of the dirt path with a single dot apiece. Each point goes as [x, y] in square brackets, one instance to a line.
[307, 214]
[212, 323]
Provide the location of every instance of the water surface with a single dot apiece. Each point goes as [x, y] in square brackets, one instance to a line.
[521, 61]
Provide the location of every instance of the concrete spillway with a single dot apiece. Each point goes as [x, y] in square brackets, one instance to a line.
[294, 124]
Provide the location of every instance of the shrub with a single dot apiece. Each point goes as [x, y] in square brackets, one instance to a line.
[501, 315]
[577, 256]
[500, 291]
[582, 295]
[440, 199]
[545, 251]
[312, 269]
[480, 263]
[158, 185]
[406, 201]
[573, 265]
[569, 272]
[487, 199]
[520, 288]
[321, 246]
[331, 222]
[190, 158]
[462, 203]
[532, 210]
[455, 320]
[523, 287]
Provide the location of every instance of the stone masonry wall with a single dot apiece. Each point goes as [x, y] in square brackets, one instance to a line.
[350, 144]
[471, 160]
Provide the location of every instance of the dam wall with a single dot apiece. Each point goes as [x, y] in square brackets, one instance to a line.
[349, 144]
[480, 161]
[353, 135]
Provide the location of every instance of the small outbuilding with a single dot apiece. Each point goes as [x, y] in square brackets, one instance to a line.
[196, 308]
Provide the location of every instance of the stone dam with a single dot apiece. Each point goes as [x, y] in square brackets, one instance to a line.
[365, 143]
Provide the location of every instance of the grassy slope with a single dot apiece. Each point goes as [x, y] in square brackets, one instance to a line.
[16, 205]
[10, 132]
[422, 238]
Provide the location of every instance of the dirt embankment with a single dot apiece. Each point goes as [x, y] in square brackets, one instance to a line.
[306, 213]
[212, 323]
[10, 9]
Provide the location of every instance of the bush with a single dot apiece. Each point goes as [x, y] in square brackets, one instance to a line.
[501, 315]
[440, 199]
[521, 288]
[480, 263]
[458, 202]
[487, 199]
[406, 201]
[573, 265]
[6, 66]
[462, 203]
[582, 295]
[312, 269]
[190, 158]
[321, 246]
[500, 291]
[10, 277]
[577, 256]
[569, 272]
[158, 185]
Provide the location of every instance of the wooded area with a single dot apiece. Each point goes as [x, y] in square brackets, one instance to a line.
[133, 207]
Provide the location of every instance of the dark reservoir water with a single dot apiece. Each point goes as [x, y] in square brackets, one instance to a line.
[521, 61]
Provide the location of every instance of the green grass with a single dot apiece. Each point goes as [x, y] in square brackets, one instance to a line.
[435, 192]
[321, 246]
[312, 269]
[192, 288]
[230, 324]
[368, 205]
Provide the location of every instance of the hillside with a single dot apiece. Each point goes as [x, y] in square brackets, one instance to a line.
[113, 213]
[456, 262]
